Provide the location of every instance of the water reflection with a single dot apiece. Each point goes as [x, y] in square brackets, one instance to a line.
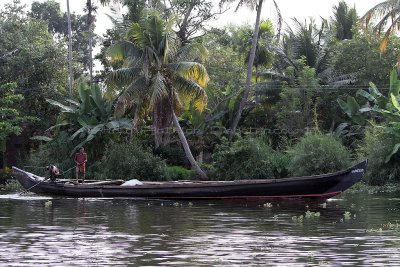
[89, 232]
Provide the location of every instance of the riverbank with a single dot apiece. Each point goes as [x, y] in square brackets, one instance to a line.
[373, 189]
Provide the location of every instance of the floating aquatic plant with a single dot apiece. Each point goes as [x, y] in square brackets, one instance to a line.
[310, 214]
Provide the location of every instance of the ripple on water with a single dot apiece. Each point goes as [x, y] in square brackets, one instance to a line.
[24, 197]
[77, 232]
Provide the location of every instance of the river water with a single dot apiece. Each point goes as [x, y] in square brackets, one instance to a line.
[354, 230]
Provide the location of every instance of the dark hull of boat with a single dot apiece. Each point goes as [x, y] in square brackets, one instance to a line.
[319, 186]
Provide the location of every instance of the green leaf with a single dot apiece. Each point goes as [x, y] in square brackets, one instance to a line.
[41, 138]
[94, 131]
[58, 125]
[82, 122]
[367, 95]
[64, 108]
[78, 132]
[394, 151]
[394, 83]
[97, 98]
[374, 90]
[340, 130]
[365, 109]
[75, 103]
[395, 102]
[354, 107]
[351, 107]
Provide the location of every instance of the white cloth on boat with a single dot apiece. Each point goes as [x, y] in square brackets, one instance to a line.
[132, 182]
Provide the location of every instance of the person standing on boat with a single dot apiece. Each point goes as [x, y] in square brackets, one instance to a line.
[80, 160]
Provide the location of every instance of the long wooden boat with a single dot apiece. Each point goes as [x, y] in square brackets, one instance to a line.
[317, 186]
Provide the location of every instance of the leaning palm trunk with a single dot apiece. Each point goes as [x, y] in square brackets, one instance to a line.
[245, 94]
[186, 147]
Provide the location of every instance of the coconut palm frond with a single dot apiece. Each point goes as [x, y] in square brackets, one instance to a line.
[122, 77]
[272, 75]
[193, 51]
[178, 103]
[155, 31]
[378, 10]
[158, 88]
[190, 93]
[385, 40]
[133, 94]
[136, 35]
[385, 18]
[251, 4]
[192, 71]
[279, 21]
[152, 31]
[390, 30]
[388, 13]
[122, 50]
[338, 80]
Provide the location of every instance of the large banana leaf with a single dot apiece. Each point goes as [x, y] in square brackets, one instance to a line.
[394, 83]
[64, 108]
[93, 130]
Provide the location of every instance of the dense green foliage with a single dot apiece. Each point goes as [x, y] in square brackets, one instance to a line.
[248, 158]
[366, 63]
[32, 59]
[90, 118]
[130, 161]
[318, 154]
[385, 110]
[11, 120]
[179, 173]
[55, 152]
[375, 147]
[50, 12]
[171, 87]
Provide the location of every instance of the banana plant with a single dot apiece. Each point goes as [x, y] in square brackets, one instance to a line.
[386, 107]
[88, 117]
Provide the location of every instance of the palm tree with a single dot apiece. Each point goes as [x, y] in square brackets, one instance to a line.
[263, 56]
[154, 79]
[387, 12]
[344, 18]
[253, 4]
[304, 42]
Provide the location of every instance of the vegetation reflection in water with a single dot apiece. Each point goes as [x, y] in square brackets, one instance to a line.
[355, 230]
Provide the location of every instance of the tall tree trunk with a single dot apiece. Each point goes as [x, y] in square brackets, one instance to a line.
[90, 23]
[90, 58]
[186, 147]
[245, 93]
[69, 49]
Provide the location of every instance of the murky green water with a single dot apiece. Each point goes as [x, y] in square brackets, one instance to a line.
[357, 230]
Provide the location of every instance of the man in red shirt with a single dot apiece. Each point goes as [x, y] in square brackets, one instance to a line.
[80, 160]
